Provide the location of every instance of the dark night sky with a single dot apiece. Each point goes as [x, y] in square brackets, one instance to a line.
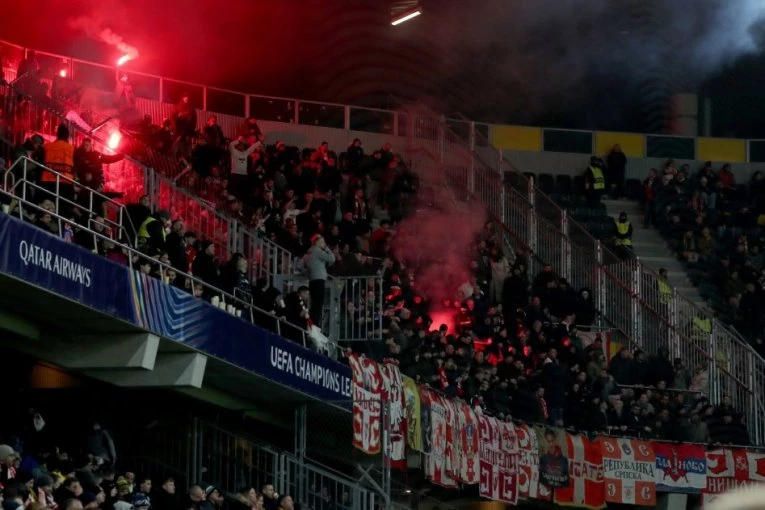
[591, 64]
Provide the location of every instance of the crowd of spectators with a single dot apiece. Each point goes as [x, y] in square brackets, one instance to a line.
[38, 471]
[514, 347]
[715, 226]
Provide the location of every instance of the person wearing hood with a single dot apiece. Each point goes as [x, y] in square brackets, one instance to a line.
[235, 280]
[584, 308]
[152, 233]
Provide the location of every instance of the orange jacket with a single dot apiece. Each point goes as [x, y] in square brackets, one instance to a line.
[59, 156]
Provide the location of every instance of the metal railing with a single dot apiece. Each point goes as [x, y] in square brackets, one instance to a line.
[626, 292]
[232, 461]
[129, 177]
[170, 275]
[21, 180]
[356, 307]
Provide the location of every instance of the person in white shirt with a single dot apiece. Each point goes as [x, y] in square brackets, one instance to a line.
[239, 183]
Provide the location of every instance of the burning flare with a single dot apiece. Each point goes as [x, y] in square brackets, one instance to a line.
[114, 140]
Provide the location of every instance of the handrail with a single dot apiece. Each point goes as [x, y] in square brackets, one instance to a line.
[164, 267]
[25, 183]
[747, 397]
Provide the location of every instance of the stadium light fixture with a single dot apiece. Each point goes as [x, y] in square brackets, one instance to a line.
[405, 16]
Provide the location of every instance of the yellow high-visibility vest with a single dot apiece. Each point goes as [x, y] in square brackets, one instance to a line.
[599, 182]
[701, 328]
[143, 232]
[665, 292]
[623, 229]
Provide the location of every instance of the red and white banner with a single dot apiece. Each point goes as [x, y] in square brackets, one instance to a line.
[586, 487]
[451, 449]
[732, 469]
[467, 436]
[629, 467]
[394, 397]
[440, 429]
[367, 391]
[498, 455]
[528, 465]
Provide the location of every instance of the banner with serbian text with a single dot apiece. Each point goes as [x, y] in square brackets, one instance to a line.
[498, 454]
[367, 384]
[553, 459]
[629, 467]
[528, 465]
[393, 397]
[440, 430]
[586, 487]
[467, 449]
[729, 469]
[413, 420]
[680, 467]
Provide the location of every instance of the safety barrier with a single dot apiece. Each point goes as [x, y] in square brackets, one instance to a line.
[21, 180]
[356, 307]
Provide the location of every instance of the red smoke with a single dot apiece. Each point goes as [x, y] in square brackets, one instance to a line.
[436, 242]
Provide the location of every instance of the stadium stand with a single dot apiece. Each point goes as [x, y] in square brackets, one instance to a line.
[525, 329]
[522, 344]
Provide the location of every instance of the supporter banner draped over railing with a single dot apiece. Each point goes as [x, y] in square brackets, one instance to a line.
[463, 446]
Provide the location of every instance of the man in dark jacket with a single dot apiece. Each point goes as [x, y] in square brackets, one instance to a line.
[616, 164]
[151, 234]
[88, 164]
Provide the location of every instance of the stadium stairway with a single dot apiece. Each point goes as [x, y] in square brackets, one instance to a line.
[652, 249]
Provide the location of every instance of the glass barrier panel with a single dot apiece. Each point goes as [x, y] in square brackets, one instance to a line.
[88, 75]
[402, 122]
[145, 86]
[172, 91]
[757, 151]
[275, 110]
[670, 147]
[460, 128]
[561, 140]
[221, 101]
[51, 66]
[321, 115]
[482, 135]
[10, 56]
[371, 121]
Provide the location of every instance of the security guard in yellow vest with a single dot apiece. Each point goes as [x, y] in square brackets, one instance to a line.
[623, 235]
[665, 291]
[152, 233]
[701, 328]
[594, 180]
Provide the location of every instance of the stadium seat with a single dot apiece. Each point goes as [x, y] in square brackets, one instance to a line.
[546, 183]
[563, 183]
[633, 189]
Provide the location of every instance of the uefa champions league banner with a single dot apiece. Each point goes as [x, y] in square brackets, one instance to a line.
[46, 261]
